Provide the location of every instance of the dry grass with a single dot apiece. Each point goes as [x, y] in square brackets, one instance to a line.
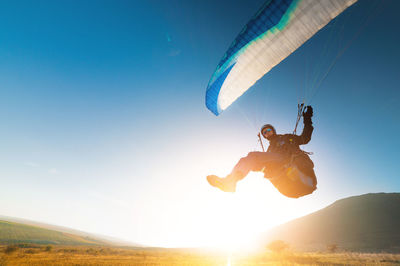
[74, 255]
[293, 258]
[78, 255]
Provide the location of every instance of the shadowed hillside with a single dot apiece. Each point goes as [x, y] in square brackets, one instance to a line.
[367, 223]
[12, 233]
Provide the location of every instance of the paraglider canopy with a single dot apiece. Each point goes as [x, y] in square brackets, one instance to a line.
[276, 31]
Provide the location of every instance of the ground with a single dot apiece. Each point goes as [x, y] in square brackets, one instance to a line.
[95, 255]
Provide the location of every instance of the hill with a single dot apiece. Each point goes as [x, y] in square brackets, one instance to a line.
[366, 223]
[12, 233]
[101, 239]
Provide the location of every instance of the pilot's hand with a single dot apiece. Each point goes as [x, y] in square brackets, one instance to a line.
[308, 113]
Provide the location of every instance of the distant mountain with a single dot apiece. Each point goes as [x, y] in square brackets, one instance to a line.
[16, 230]
[366, 223]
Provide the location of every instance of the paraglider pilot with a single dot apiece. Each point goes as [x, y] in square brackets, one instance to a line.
[288, 168]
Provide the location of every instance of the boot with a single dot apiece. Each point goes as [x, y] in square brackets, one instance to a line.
[225, 184]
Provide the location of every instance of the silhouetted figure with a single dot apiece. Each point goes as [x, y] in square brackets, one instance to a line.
[288, 168]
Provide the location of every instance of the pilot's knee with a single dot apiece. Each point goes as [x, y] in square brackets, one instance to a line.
[254, 155]
[251, 154]
[245, 159]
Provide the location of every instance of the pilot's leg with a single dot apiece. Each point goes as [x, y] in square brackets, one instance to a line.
[254, 161]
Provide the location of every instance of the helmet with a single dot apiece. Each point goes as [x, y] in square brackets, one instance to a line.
[267, 126]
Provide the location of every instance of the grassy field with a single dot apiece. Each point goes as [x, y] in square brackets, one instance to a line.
[89, 255]
[13, 233]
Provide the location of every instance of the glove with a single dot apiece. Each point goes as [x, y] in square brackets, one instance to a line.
[308, 113]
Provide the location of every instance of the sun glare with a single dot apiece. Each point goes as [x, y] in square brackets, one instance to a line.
[239, 219]
[204, 216]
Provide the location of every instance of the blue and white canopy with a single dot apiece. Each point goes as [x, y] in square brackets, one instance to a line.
[276, 31]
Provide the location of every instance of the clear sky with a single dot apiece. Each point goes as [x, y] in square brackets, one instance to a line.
[104, 126]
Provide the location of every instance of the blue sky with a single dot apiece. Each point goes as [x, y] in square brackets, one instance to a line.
[104, 126]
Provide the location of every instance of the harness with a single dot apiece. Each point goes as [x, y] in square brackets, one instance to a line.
[294, 177]
[289, 168]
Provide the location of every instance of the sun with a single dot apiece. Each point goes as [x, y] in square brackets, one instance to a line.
[204, 216]
[239, 219]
